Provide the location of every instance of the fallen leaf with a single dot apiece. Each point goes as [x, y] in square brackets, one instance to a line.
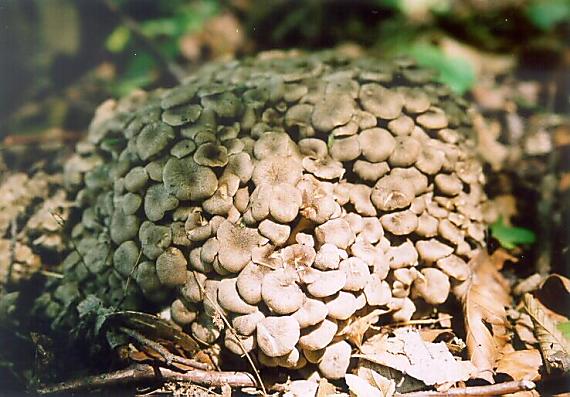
[301, 388]
[484, 297]
[325, 388]
[521, 364]
[432, 363]
[554, 294]
[554, 347]
[356, 329]
[524, 329]
[360, 388]
[385, 385]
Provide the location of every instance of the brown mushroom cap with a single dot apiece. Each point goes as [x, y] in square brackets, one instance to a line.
[332, 111]
[391, 193]
[171, 267]
[380, 101]
[357, 273]
[328, 283]
[277, 336]
[432, 250]
[312, 312]
[235, 253]
[377, 144]
[335, 231]
[247, 323]
[342, 305]
[400, 223]
[249, 283]
[230, 300]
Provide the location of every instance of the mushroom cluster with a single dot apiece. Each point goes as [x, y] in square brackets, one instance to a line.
[287, 192]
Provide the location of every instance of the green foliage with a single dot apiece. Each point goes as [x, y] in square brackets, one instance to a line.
[456, 72]
[565, 329]
[546, 14]
[510, 236]
[176, 18]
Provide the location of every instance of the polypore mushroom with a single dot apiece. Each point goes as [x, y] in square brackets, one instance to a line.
[380, 101]
[377, 291]
[187, 180]
[183, 313]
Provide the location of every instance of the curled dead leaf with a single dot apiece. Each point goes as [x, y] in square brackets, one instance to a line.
[484, 297]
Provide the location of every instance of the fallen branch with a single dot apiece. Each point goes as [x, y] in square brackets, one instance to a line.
[143, 372]
[497, 389]
[169, 357]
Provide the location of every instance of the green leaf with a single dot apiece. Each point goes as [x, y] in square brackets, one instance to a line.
[456, 72]
[546, 14]
[510, 236]
[565, 329]
[118, 39]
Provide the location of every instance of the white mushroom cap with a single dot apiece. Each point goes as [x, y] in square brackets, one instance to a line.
[357, 273]
[432, 250]
[285, 201]
[450, 232]
[276, 232]
[230, 300]
[427, 225]
[329, 283]
[342, 305]
[372, 230]
[277, 336]
[403, 255]
[280, 291]
[433, 287]
[377, 291]
[328, 257]
[335, 231]
[249, 283]
[246, 324]
[239, 344]
[335, 360]
[406, 310]
[318, 336]
[400, 223]
[312, 312]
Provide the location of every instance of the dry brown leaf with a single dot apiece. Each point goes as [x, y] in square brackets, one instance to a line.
[356, 329]
[385, 385]
[524, 329]
[521, 364]
[554, 295]
[325, 388]
[484, 297]
[554, 347]
[432, 363]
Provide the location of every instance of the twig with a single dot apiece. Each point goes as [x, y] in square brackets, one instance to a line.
[169, 357]
[171, 68]
[497, 389]
[144, 372]
[240, 343]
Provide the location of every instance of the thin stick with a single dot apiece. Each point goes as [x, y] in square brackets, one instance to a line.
[497, 389]
[241, 345]
[169, 357]
[144, 372]
[172, 69]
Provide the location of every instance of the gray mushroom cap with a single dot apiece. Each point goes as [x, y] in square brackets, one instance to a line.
[332, 111]
[157, 201]
[125, 258]
[153, 138]
[246, 324]
[377, 144]
[381, 102]
[187, 180]
[229, 298]
[171, 267]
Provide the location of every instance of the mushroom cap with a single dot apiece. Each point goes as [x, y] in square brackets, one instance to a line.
[318, 336]
[187, 180]
[377, 291]
[125, 258]
[377, 144]
[391, 193]
[171, 267]
[335, 360]
[229, 299]
[332, 111]
[335, 231]
[433, 287]
[357, 273]
[277, 336]
[235, 253]
[328, 283]
[280, 291]
[400, 223]
[211, 155]
[342, 305]
[432, 250]
[381, 102]
[247, 323]
[182, 313]
[312, 312]
[249, 283]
